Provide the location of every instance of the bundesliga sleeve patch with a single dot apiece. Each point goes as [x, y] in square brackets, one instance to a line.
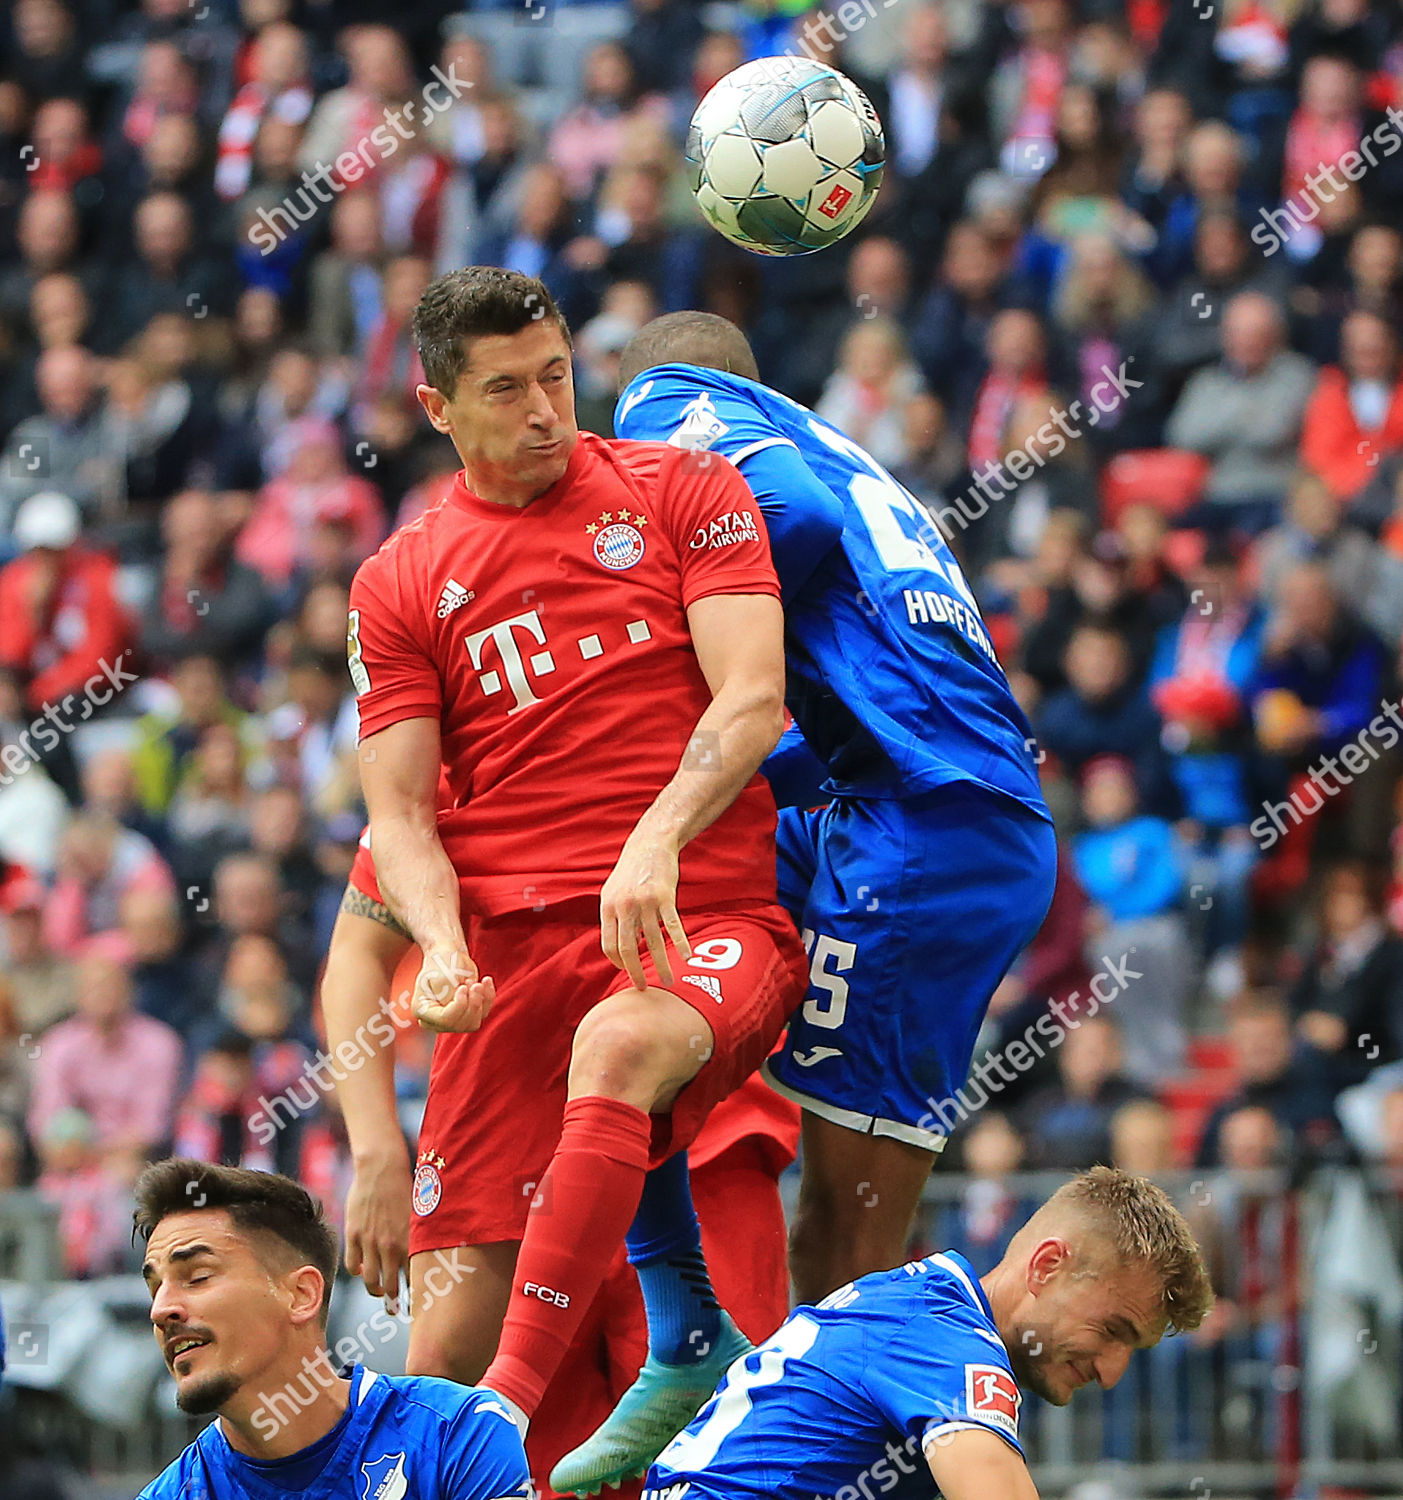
[360, 678]
[992, 1395]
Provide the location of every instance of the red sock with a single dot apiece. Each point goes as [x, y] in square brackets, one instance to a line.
[586, 1202]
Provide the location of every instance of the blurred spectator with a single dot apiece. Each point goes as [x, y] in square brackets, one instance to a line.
[380, 78]
[866, 395]
[588, 140]
[1142, 1138]
[1132, 868]
[18, 1049]
[314, 513]
[47, 236]
[109, 790]
[1103, 710]
[1320, 679]
[163, 978]
[63, 447]
[1370, 284]
[1069, 1122]
[662, 36]
[206, 602]
[1203, 668]
[1287, 1084]
[1348, 1000]
[169, 275]
[951, 325]
[91, 1194]
[43, 982]
[277, 84]
[99, 863]
[1245, 415]
[390, 364]
[222, 1119]
[989, 1212]
[1318, 528]
[65, 629]
[248, 902]
[208, 816]
[1017, 355]
[48, 56]
[166, 742]
[345, 289]
[1355, 415]
[33, 809]
[121, 1067]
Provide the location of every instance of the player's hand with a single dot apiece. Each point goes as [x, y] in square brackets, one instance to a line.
[639, 901]
[449, 994]
[377, 1222]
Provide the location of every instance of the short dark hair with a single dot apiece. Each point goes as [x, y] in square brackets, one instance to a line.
[266, 1206]
[475, 302]
[688, 338]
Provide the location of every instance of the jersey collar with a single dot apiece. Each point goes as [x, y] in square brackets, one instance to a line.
[466, 500]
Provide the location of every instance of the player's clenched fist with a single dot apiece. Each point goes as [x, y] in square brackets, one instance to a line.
[639, 900]
[449, 995]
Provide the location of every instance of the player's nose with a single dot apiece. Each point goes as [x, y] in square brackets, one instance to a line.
[166, 1306]
[1111, 1364]
[539, 410]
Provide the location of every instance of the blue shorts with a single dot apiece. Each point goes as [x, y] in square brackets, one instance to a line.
[911, 912]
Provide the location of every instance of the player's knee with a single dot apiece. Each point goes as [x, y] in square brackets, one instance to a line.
[614, 1055]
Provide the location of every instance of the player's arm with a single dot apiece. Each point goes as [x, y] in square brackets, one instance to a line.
[367, 945]
[739, 642]
[973, 1463]
[399, 778]
[802, 515]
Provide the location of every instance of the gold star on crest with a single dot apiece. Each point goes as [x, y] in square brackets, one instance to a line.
[640, 520]
[591, 528]
[605, 517]
[623, 515]
[440, 1163]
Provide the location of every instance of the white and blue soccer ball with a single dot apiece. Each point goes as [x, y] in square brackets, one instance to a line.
[785, 156]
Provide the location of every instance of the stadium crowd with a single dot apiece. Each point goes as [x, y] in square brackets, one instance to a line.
[1126, 319]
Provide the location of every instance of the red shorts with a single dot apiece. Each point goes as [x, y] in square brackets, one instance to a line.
[496, 1096]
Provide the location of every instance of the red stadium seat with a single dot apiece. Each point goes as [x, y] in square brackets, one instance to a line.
[1169, 479]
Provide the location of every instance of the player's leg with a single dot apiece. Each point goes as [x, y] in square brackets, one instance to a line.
[458, 1298]
[916, 912]
[634, 1054]
[857, 1199]
[746, 1143]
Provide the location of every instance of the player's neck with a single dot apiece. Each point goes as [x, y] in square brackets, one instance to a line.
[493, 488]
[1001, 1288]
[257, 1423]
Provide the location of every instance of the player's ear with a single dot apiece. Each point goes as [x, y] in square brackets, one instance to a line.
[1050, 1255]
[303, 1287]
[435, 405]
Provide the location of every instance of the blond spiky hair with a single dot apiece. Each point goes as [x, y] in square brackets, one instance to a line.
[1139, 1224]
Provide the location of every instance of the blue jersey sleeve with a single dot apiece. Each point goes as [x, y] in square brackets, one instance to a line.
[482, 1456]
[937, 1374]
[684, 405]
[796, 775]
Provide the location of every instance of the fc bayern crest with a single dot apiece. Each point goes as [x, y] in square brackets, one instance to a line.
[619, 546]
[428, 1189]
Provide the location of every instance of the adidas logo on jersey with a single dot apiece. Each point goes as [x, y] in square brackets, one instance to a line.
[705, 982]
[454, 596]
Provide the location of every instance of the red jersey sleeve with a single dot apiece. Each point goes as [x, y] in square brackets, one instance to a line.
[387, 648]
[716, 526]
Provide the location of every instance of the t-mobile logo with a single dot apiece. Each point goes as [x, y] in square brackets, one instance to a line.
[513, 664]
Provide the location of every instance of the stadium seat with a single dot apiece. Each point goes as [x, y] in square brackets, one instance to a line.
[1169, 479]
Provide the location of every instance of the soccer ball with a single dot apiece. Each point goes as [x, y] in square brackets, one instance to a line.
[785, 156]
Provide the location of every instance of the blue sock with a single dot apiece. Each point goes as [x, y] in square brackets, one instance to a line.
[664, 1247]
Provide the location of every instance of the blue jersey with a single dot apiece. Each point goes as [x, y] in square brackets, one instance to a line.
[848, 1396]
[403, 1437]
[892, 677]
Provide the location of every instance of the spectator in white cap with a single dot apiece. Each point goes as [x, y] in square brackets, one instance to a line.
[65, 632]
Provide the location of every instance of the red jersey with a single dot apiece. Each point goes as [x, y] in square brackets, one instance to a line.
[551, 643]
